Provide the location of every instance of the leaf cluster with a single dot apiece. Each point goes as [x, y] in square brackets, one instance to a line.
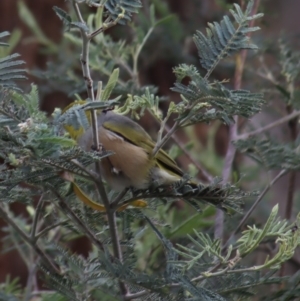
[271, 154]
[10, 67]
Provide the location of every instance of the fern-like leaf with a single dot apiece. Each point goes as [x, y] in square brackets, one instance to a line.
[122, 9]
[8, 72]
[223, 39]
[271, 154]
[203, 101]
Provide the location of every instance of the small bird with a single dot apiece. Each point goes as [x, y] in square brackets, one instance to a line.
[132, 163]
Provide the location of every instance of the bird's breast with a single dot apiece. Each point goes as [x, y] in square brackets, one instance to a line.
[128, 166]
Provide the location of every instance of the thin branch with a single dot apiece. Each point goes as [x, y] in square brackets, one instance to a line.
[49, 228]
[90, 91]
[111, 215]
[200, 168]
[45, 259]
[104, 27]
[125, 66]
[293, 128]
[160, 143]
[112, 226]
[136, 295]
[3, 112]
[270, 126]
[214, 200]
[173, 285]
[258, 200]
[162, 128]
[137, 54]
[118, 198]
[231, 151]
[36, 217]
[93, 4]
[227, 169]
[201, 277]
[290, 195]
[69, 212]
[91, 173]
[20, 250]
[78, 13]
[30, 281]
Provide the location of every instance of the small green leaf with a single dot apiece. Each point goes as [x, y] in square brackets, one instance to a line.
[152, 15]
[113, 79]
[80, 25]
[4, 34]
[57, 140]
[65, 17]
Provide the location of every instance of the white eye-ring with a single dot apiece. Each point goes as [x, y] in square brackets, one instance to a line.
[115, 171]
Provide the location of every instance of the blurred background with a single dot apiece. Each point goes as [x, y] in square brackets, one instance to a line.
[37, 35]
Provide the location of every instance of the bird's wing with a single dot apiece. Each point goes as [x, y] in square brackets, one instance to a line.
[135, 134]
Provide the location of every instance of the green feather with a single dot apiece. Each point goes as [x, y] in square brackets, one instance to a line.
[135, 134]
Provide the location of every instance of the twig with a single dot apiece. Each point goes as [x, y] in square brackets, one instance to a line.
[30, 281]
[19, 248]
[91, 173]
[173, 285]
[104, 27]
[137, 54]
[270, 126]
[290, 195]
[230, 155]
[90, 91]
[204, 275]
[36, 216]
[231, 151]
[111, 215]
[125, 66]
[136, 295]
[201, 277]
[10, 115]
[47, 229]
[68, 211]
[112, 227]
[258, 200]
[293, 127]
[118, 198]
[78, 13]
[162, 128]
[45, 259]
[200, 168]
[160, 143]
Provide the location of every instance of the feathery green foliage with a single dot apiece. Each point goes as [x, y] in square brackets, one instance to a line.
[271, 154]
[284, 234]
[122, 9]
[223, 39]
[167, 254]
[9, 71]
[203, 101]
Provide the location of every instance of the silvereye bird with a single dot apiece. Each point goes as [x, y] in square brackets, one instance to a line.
[132, 164]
